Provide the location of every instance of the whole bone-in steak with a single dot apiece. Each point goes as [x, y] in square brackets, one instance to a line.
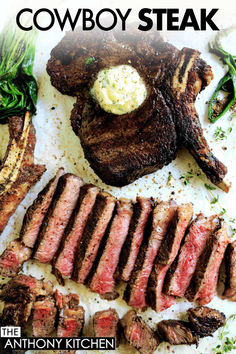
[122, 148]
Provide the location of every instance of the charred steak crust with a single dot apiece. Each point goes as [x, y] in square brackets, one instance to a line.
[230, 265]
[164, 122]
[205, 320]
[176, 332]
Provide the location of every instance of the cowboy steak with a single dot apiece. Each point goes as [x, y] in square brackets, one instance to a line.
[106, 324]
[205, 320]
[168, 251]
[204, 281]
[57, 218]
[122, 148]
[103, 281]
[141, 211]
[44, 317]
[138, 333]
[230, 263]
[182, 269]
[135, 292]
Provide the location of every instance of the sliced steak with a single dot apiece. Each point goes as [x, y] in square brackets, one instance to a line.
[230, 265]
[44, 317]
[103, 281]
[13, 257]
[64, 259]
[168, 251]
[176, 332]
[138, 333]
[57, 218]
[36, 212]
[71, 315]
[181, 271]
[92, 236]
[18, 173]
[203, 284]
[135, 292]
[141, 211]
[106, 324]
[205, 320]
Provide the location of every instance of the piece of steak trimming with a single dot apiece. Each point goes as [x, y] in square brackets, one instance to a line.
[71, 315]
[36, 212]
[182, 269]
[162, 216]
[106, 324]
[13, 257]
[204, 281]
[93, 233]
[141, 211]
[44, 317]
[166, 255]
[63, 204]
[64, 258]
[230, 266]
[16, 313]
[176, 332]
[205, 320]
[103, 281]
[138, 333]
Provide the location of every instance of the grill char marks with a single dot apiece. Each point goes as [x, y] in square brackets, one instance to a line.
[173, 79]
[203, 284]
[54, 224]
[230, 264]
[13, 257]
[36, 212]
[205, 320]
[182, 269]
[93, 233]
[141, 211]
[176, 332]
[71, 315]
[18, 173]
[106, 324]
[64, 259]
[135, 293]
[44, 317]
[103, 281]
[168, 252]
[138, 333]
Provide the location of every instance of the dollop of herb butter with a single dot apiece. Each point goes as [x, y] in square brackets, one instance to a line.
[119, 89]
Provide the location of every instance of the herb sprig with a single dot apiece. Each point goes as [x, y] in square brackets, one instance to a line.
[227, 344]
[186, 178]
[228, 82]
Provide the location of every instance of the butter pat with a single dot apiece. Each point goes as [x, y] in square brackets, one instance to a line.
[119, 89]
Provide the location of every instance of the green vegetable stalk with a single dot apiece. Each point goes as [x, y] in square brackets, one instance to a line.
[18, 87]
[228, 82]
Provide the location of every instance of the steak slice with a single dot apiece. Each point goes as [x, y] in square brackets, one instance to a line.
[44, 317]
[57, 218]
[230, 264]
[141, 211]
[203, 284]
[106, 324]
[122, 148]
[63, 264]
[18, 173]
[13, 257]
[135, 292]
[103, 281]
[138, 333]
[35, 214]
[71, 315]
[176, 332]
[205, 320]
[181, 271]
[92, 236]
[168, 251]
